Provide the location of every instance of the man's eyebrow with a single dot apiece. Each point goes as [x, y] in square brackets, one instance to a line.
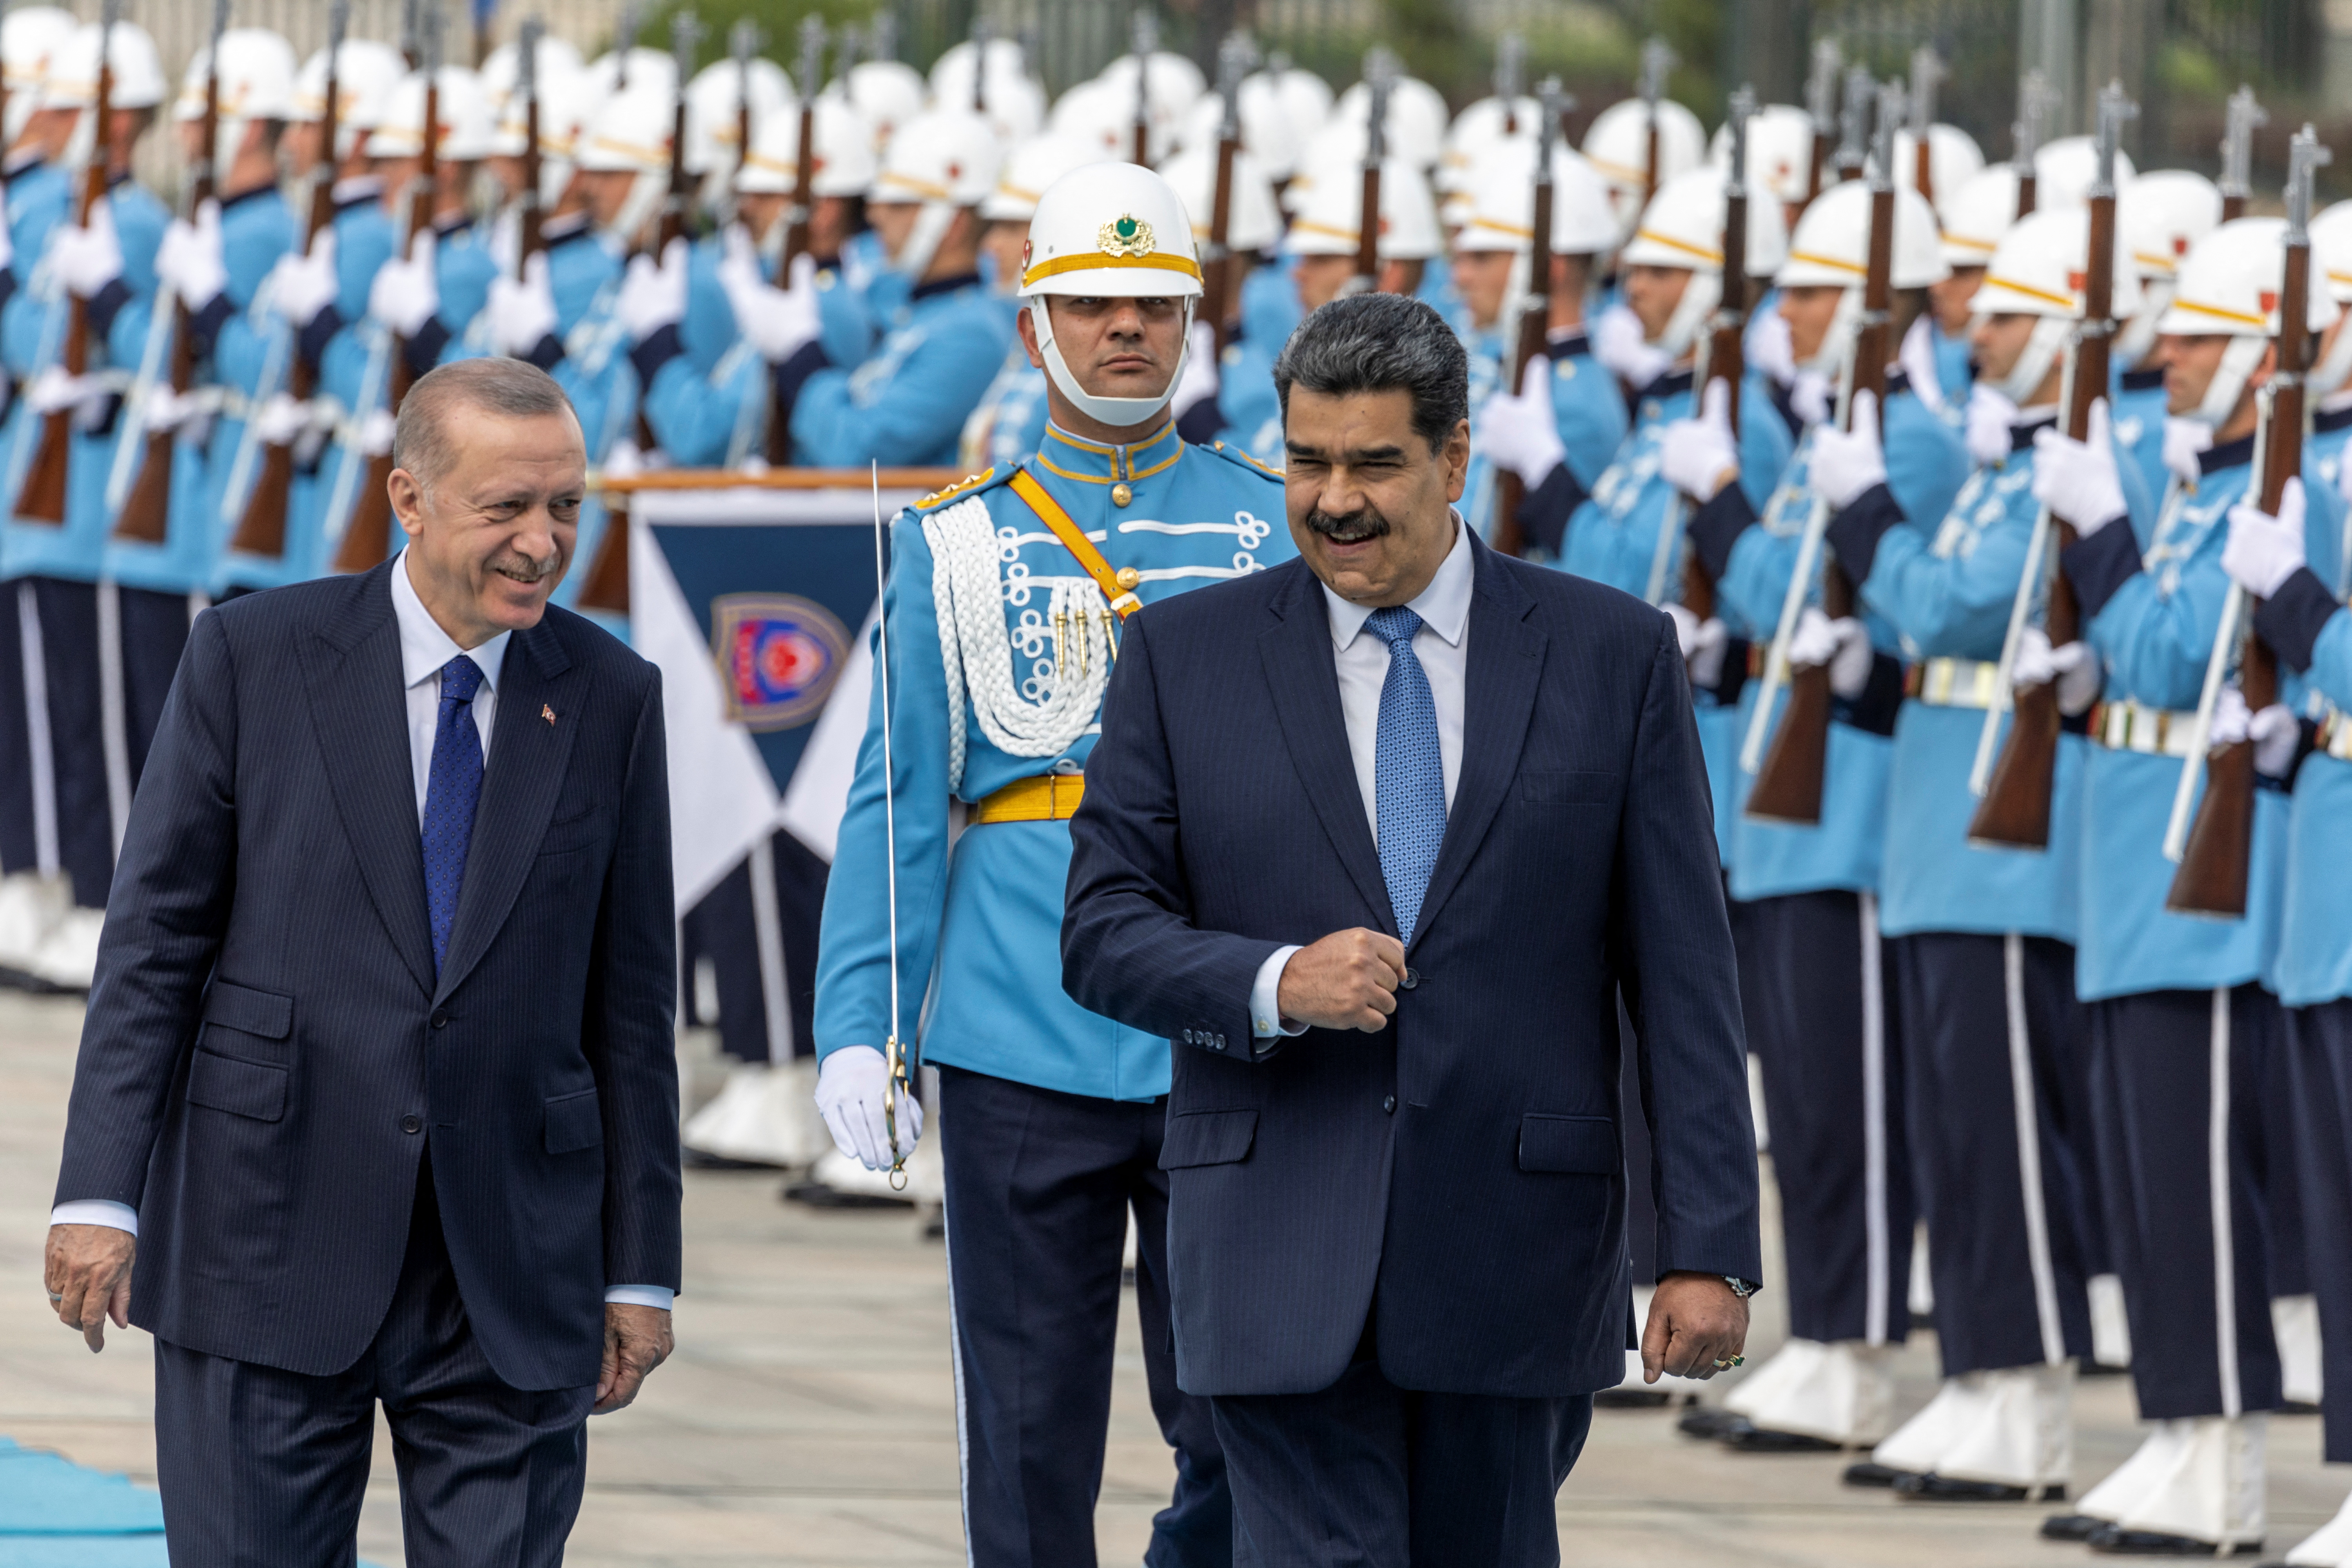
[1354, 455]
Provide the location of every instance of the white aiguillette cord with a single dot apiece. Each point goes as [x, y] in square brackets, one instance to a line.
[893, 1053]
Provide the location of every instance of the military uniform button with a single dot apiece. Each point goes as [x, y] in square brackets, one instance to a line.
[1127, 575]
[1121, 494]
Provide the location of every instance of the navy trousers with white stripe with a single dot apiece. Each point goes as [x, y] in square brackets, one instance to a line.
[1833, 1098]
[2318, 1052]
[2177, 1083]
[1988, 1024]
[1039, 1186]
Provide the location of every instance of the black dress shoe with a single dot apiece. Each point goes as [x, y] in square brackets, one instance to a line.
[1946, 1488]
[2071, 1527]
[2115, 1540]
[1749, 1439]
[1871, 1473]
[1707, 1422]
[1630, 1398]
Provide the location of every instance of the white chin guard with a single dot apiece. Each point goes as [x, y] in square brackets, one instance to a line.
[2239, 361]
[1120, 412]
[2033, 367]
[1701, 295]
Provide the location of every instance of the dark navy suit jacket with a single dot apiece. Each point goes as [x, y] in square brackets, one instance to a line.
[268, 1052]
[1463, 1168]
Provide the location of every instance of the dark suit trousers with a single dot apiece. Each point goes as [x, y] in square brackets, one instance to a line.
[1039, 1184]
[264, 1468]
[1364, 1473]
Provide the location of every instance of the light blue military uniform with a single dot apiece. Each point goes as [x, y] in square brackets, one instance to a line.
[1587, 406]
[1010, 421]
[2314, 961]
[907, 404]
[2136, 413]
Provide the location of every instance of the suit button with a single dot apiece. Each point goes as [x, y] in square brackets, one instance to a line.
[1186, 1036]
[412, 1124]
[440, 1018]
[1217, 1045]
[1389, 1105]
[1411, 978]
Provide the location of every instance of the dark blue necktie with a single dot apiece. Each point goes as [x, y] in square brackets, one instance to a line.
[451, 791]
[1408, 771]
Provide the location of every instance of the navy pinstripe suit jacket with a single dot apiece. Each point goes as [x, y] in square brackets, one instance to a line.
[266, 1030]
[1463, 1166]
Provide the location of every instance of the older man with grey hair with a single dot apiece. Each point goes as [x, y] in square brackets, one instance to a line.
[1378, 837]
[377, 1082]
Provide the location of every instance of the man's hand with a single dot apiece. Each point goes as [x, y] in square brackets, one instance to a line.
[88, 1271]
[636, 1340]
[1695, 1321]
[1346, 981]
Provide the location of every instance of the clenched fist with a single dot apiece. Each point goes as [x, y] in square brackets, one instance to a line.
[1346, 981]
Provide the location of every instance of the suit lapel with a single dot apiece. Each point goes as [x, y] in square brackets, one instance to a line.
[1305, 680]
[520, 781]
[1505, 669]
[351, 668]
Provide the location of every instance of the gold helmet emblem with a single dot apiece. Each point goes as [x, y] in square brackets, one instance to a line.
[1126, 235]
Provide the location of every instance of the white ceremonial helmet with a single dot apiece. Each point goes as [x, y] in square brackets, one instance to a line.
[888, 94]
[256, 82]
[29, 36]
[1306, 98]
[1975, 215]
[1416, 120]
[1327, 221]
[554, 57]
[365, 73]
[1617, 144]
[565, 103]
[630, 132]
[1173, 85]
[943, 160]
[1268, 132]
[135, 69]
[2040, 268]
[1485, 124]
[1115, 231]
[1502, 207]
[1831, 249]
[1028, 169]
[1101, 117]
[1780, 151]
[1953, 159]
[1682, 228]
[1468, 162]
[466, 133]
[2161, 214]
[714, 99]
[1012, 101]
[2331, 269]
[2229, 286]
[2065, 169]
[845, 164]
[644, 68]
[1253, 223]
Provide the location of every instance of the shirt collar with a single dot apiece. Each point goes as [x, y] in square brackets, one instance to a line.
[1074, 457]
[1443, 607]
[424, 648]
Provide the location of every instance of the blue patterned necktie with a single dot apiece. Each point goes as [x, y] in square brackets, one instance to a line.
[451, 791]
[1408, 771]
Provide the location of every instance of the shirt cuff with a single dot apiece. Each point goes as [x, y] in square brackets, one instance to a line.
[96, 1211]
[639, 1296]
[1266, 1008]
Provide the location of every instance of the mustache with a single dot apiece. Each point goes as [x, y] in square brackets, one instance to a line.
[525, 569]
[1367, 523]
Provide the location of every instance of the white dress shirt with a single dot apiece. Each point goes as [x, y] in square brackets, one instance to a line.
[1361, 662]
[424, 648]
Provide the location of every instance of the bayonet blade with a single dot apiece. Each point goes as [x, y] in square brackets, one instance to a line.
[2304, 157]
[1742, 109]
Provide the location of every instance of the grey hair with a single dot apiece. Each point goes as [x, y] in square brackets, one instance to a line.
[1382, 342]
[506, 388]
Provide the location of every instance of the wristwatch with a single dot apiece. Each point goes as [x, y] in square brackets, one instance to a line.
[1740, 1288]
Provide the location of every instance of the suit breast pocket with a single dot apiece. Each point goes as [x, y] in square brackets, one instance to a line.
[582, 832]
[1567, 787]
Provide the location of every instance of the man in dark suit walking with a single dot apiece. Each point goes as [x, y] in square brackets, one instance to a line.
[1378, 837]
[378, 1077]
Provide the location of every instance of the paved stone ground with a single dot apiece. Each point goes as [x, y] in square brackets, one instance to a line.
[808, 1417]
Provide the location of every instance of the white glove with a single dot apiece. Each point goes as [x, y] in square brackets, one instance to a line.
[1847, 462]
[2077, 479]
[652, 296]
[1517, 431]
[304, 283]
[1699, 457]
[407, 289]
[1990, 417]
[2072, 667]
[852, 1085]
[1703, 645]
[54, 390]
[1198, 382]
[281, 419]
[2184, 439]
[1620, 343]
[376, 432]
[1812, 397]
[2264, 551]
[1770, 349]
[2273, 731]
[189, 259]
[165, 409]
[521, 312]
[776, 322]
[87, 259]
[1843, 644]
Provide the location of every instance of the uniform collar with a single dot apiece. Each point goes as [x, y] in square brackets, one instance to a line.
[1671, 384]
[2029, 423]
[943, 286]
[1443, 607]
[357, 190]
[2143, 380]
[2228, 455]
[239, 200]
[2328, 419]
[1566, 341]
[1094, 463]
[21, 164]
[556, 231]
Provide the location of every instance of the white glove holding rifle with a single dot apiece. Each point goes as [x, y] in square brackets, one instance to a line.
[407, 289]
[522, 313]
[86, 259]
[1843, 644]
[2072, 667]
[190, 258]
[1699, 457]
[2078, 480]
[2264, 551]
[303, 282]
[2273, 731]
[1517, 431]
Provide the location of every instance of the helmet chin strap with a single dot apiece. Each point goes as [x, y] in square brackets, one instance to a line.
[1120, 412]
[1701, 295]
[646, 192]
[2034, 362]
[931, 222]
[1837, 342]
[2335, 367]
[2138, 335]
[2238, 362]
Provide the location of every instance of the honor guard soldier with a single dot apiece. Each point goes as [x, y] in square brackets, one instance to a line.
[2158, 216]
[1010, 419]
[1974, 218]
[1982, 937]
[2181, 1027]
[1003, 605]
[36, 179]
[1818, 992]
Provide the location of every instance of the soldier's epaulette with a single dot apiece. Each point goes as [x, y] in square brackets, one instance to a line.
[965, 486]
[1241, 459]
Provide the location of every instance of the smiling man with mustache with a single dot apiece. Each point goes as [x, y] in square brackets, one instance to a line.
[377, 1081]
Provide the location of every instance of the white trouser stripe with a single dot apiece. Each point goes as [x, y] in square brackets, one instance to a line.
[114, 722]
[39, 748]
[768, 936]
[2217, 1177]
[1876, 1252]
[2024, 1105]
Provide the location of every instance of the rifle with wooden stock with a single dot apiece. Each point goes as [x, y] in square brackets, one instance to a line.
[42, 498]
[2216, 855]
[1657, 60]
[2246, 116]
[1928, 70]
[1217, 287]
[1788, 782]
[1821, 107]
[529, 213]
[2014, 792]
[678, 201]
[143, 515]
[1726, 357]
[1510, 78]
[1379, 75]
[261, 525]
[1143, 31]
[743, 43]
[2035, 99]
[809, 67]
[367, 537]
[1530, 331]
